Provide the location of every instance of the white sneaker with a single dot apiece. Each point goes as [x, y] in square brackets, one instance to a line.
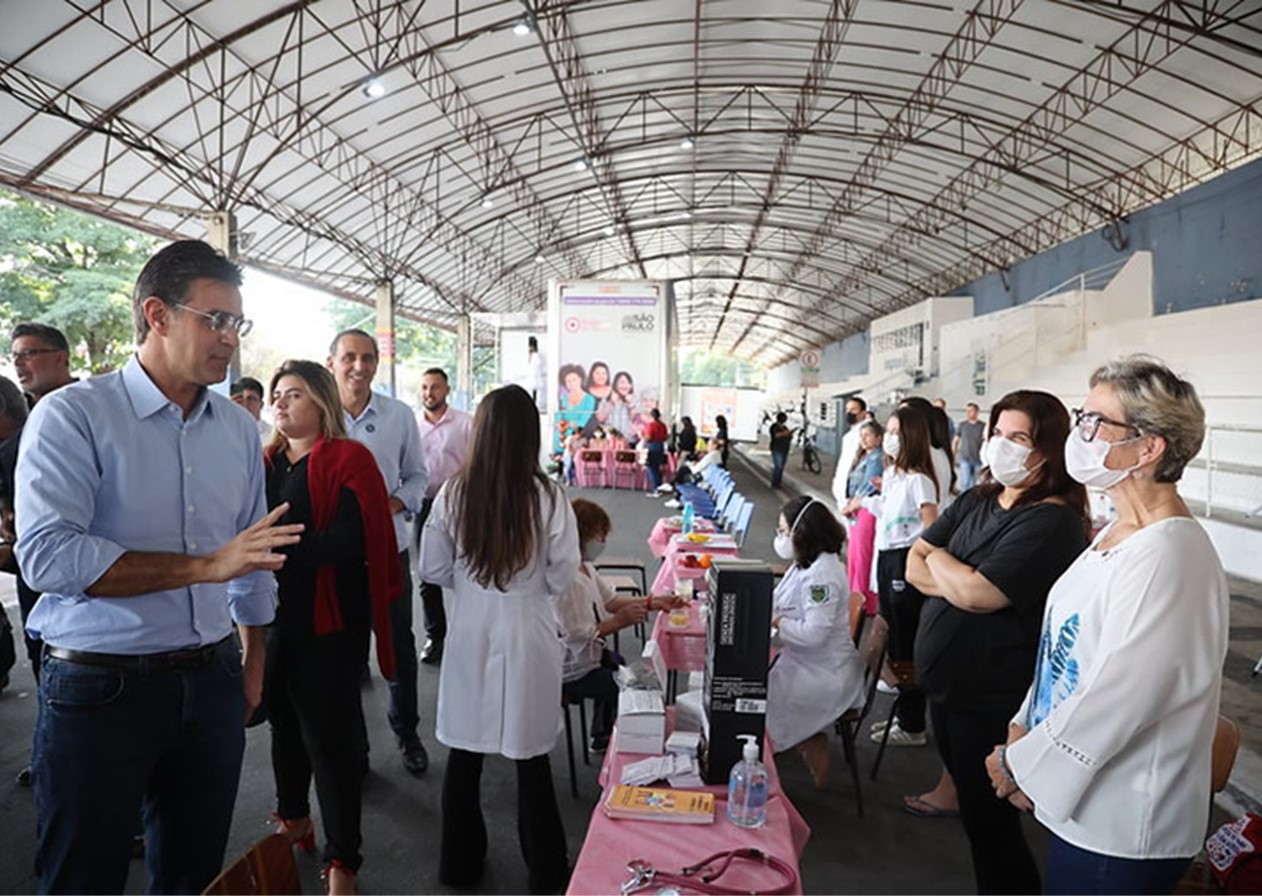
[666, 487]
[673, 504]
[900, 738]
[885, 688]
[879, 727]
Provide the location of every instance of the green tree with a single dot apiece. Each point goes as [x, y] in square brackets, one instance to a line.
[72, 271]
[419, 346]
[704, 368]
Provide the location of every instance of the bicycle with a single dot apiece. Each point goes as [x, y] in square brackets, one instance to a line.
[810, 454]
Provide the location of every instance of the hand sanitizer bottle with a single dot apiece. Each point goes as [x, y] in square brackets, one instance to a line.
[747, 788]
[690, 517]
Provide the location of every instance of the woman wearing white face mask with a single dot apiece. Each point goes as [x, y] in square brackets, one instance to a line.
[818, 675]
[906, 506]
[991, 558]
[1112, 744]
[587, 613]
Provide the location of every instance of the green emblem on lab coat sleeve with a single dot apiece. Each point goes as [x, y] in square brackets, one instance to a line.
[819, 594]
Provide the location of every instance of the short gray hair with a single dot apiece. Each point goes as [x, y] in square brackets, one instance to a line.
[1158, 402]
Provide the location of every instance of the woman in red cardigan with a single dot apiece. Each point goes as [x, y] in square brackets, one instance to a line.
[337, 582]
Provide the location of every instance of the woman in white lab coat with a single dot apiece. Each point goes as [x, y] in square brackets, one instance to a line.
[502, 539]
[818, 674]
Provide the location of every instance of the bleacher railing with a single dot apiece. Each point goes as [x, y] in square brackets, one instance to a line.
[1225, 479]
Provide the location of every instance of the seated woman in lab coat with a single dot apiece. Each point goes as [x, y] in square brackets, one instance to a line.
[818, 674]
[587, 612]
[502, 539]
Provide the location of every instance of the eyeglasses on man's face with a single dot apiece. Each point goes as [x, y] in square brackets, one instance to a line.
[23, 355]
[223, 321]
[1088, 424]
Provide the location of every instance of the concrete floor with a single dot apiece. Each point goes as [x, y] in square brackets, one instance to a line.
[887, 851]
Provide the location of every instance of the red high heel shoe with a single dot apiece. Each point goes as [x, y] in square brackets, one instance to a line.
[339, 880]
[300, 832]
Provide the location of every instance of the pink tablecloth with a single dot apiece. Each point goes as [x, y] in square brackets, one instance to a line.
[665, 529]
[683, 649]
[606, 478]
[612, 843]
[670, 569]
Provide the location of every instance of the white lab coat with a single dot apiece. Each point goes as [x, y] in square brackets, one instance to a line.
[500, 686]
[818, 675]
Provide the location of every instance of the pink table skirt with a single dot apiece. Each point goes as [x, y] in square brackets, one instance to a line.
[609, 477]
[612, 843]
[683, 649]
[664, 530]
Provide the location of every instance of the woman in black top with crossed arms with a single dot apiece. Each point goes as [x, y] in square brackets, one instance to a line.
[986, 567]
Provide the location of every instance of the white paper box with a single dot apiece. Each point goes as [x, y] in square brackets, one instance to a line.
[641, 722]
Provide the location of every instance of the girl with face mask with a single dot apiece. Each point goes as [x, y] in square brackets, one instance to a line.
[818, 675]
[1112, 747]
[589, 665]
[986, 567]
[907, 504]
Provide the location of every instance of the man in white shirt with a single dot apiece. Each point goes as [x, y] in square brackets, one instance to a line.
[445, 433]
[388, 428]
[248, 392]
[538, 375]
[856, 415]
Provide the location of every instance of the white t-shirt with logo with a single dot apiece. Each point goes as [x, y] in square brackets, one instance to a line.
[897, 507]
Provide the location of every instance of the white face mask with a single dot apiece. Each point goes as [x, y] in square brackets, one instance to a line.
[890, 444]
[1084, 461]
[593, 549]
[783, 543]
[1007, 460]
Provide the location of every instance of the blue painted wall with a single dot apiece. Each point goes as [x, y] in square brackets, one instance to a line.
[1206, 245]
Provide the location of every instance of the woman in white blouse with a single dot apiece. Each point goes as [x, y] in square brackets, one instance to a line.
[502, 539]
[1111, 748]
[587, 613]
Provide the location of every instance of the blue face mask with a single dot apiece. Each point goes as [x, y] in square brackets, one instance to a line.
[592, 549]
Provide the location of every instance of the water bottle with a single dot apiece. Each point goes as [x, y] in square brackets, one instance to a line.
[690, 515]
[747, 788]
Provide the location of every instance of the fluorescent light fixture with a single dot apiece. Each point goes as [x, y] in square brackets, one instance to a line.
[374, 89]
[522, 28]
[539, 259]
[609, 231]
[686, 143]
[487, 201]
[580, 165]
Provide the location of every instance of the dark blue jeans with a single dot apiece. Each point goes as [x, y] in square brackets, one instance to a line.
[1071, 869]
[656, 458]
[109, 742]
[778, 460]
[402, 714]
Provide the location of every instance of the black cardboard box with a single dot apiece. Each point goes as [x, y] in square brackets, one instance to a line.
[738, 647]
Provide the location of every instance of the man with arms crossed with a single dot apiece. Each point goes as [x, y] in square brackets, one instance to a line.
[144, 523]
[387, 426]
[445, 437]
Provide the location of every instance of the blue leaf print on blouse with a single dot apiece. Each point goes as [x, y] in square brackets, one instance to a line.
[1058, 670]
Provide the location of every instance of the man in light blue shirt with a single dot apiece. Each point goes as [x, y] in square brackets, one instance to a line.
[144, 524]
[389, 429]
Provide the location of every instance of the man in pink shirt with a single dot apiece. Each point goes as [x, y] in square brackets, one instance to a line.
[445, 440]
